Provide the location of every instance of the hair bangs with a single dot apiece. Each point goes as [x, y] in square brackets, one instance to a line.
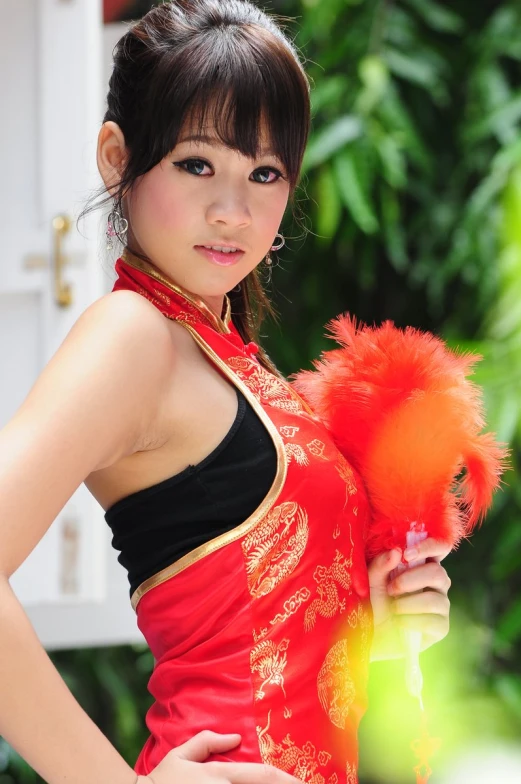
[237, 88]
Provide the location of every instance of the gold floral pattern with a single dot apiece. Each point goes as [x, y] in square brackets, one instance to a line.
[329, 604]
[269, 660]
[336, 689]
[275, 546]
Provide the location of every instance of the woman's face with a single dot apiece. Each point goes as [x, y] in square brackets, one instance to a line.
[203, 193]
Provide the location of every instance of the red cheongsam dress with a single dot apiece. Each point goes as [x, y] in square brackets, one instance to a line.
[264, 630]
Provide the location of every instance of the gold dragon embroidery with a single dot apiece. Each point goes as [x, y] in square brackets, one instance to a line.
[351, 774]
[361, 618]
[346, 473]
[297, 452]
[300, 762]
[269, 659]
[274, 548]
[336, 690]
[329, 603]
[266, 386]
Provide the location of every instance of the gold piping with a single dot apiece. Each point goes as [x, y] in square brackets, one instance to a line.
[220, 324]
[236, 533]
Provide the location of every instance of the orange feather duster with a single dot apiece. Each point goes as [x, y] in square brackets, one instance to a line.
[400, 408]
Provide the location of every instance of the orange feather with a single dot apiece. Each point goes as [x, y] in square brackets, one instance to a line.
[401, 409]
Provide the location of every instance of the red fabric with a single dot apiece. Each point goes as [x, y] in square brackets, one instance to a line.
[268, 633]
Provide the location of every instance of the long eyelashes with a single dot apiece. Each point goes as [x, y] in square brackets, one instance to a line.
[185, 163]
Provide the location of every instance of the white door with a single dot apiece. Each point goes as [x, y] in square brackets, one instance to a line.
[51, 104]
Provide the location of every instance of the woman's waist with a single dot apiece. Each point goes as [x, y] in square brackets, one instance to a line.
[293, 704]
[296, 661]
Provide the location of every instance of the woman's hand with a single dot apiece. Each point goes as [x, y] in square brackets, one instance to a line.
[416, 599]
[186, 764]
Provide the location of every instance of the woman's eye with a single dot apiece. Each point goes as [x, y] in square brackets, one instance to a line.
[190, 162]
[194, 162]
[267, 171]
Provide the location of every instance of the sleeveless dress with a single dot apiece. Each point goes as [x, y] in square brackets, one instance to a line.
[157, 525]
[264, 630]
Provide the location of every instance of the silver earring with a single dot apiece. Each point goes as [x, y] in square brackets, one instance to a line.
[117, 226]
[278, 247]
[275, 247]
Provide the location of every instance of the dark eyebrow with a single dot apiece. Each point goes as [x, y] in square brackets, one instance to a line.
[213, 142]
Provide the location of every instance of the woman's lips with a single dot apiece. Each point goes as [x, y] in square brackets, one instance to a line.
[218, 257]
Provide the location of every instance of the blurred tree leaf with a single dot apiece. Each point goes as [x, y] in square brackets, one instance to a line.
[330, 205]
[350, 187]
[330, 140]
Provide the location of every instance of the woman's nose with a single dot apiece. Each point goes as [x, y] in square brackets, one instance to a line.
[230, 209]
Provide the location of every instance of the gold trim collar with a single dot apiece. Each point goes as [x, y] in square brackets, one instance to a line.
[219, 324]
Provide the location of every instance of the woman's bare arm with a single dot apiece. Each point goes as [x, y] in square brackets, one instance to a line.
[89, 406]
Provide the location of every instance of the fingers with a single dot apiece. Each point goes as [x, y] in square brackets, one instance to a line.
[198, 748]
[251, 773]
[382, 565]
[429, 548]
[429, 575]
[430, 602]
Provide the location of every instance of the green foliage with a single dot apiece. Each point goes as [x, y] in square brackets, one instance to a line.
[416, 217]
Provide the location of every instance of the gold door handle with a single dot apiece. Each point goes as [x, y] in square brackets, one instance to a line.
[61, 225]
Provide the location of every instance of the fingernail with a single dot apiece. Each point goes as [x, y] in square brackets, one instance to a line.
[410, 554]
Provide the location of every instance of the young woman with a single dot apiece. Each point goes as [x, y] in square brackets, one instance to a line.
[240, 523]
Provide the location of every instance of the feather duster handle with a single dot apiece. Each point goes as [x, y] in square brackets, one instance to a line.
[412, 640]
[400, 408]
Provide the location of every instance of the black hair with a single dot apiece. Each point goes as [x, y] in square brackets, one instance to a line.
[188, 59]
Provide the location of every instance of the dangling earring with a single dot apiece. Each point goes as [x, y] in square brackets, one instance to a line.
[275, 247]
[117, 226]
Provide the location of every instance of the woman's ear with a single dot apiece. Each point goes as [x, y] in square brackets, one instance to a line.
[111, 155]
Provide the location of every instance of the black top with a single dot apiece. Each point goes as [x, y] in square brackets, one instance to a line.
[155, 526]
